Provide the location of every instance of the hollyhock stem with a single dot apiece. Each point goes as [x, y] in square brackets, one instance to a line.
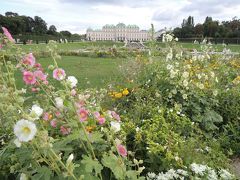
[114, 143]
[62, 164]
[85, 133]
[9, 76]
[81, 124]
[46, 93]
[54, 60]
[84, 147]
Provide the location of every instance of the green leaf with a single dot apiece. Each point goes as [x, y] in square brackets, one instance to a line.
[43, 173]
[208, 119]
[96, 137]
[115, 164]
[132, 174]
[91, 165]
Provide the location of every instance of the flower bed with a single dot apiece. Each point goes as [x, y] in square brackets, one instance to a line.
[164, 122]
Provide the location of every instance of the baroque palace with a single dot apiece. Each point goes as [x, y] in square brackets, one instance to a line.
[120, 32]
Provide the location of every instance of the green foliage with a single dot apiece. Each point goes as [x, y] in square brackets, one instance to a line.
[208, 120]
[209, 28]
[116, 165]
[91, 165]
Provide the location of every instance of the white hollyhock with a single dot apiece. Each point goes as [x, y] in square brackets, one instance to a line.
[69, 160]
[59, 102]
[23, 176]
[25, 130]
[36, 111]
[72, 81]
[116, 126]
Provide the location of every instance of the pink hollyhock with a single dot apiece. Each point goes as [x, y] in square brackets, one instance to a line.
[53, 123]
[35, 89]
[99, 117]
[29, 60]
[29, 77]
[101, 120]
[7, 34]
[45, 82]
[1, 46]
[37, 65]
[59, 74]
[122, 150]
[58, 113]
[73, 92]
[47, 116]
[80, 104]
[96, 114]
[40, 75]
[65, 130]
[83, 114]
[115, 115]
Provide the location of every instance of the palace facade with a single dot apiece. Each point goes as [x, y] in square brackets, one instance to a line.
[120, 32]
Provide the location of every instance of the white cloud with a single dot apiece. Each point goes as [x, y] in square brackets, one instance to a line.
[78, 15]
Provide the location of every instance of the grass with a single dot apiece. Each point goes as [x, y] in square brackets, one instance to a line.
[107, 44]
[70, 46]
[90, 72]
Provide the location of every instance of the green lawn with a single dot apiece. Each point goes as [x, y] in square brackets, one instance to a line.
[70, 46]
[90, 72]
[107, 44]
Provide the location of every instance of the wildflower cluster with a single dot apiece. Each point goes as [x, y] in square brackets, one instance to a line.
[195, 171]
[118, 95]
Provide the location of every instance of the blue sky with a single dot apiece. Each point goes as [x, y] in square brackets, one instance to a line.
[78, 15]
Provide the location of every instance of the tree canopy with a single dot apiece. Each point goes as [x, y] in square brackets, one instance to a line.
[26, 25]
[209, 28]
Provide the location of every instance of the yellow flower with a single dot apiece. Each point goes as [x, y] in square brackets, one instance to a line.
[236, 80]
[125, 92]
[118, 95]
[111, 94]
[90, 128]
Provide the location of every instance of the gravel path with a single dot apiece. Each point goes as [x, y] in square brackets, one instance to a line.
[236, 167]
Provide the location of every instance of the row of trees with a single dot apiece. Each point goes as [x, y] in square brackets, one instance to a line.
[25, 25]
[210, 28]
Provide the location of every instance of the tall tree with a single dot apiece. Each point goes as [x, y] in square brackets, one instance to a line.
[199, 30]
[65, 33]
[52, 30]
[40, 26]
